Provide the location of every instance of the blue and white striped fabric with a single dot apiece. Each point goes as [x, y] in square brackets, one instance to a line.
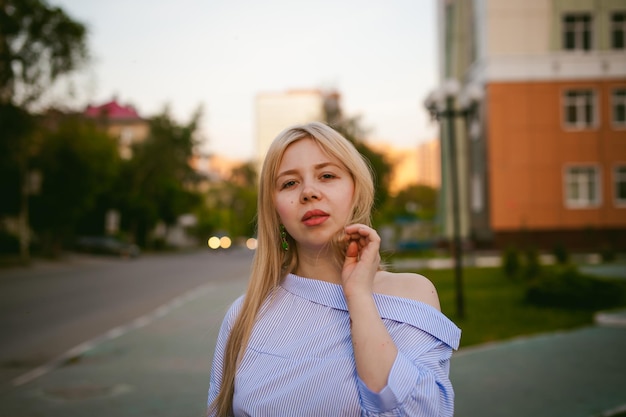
[300, 362]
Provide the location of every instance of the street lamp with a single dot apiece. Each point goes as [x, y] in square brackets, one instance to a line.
[449, 102]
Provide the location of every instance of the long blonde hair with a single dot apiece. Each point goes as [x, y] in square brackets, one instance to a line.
[271, 262]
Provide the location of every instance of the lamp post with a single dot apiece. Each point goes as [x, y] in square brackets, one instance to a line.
[449, 102]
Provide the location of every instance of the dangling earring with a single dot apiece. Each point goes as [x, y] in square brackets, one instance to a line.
[283, 238]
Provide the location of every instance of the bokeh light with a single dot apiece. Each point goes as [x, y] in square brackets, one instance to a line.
[251, 243]
[225, 242]
[214, 242]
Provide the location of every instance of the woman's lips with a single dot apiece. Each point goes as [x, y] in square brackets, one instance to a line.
[314, 217]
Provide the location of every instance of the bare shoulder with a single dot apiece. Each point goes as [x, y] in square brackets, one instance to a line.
[407, 285]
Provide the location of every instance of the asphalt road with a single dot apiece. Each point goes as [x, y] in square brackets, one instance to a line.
[157, 360]
[51, 307]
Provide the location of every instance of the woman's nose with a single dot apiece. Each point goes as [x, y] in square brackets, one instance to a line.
[309, 193]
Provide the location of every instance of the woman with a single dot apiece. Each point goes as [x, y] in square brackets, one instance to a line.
[322, 330]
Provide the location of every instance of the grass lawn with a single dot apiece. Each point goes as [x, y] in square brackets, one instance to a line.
[495, 308]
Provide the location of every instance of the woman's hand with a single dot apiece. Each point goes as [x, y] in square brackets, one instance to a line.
[374, 349]
[362, 260]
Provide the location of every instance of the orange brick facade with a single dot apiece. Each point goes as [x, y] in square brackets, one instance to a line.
[528, 151]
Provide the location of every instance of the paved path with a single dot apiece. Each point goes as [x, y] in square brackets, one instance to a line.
[579, 373]
[159, 365]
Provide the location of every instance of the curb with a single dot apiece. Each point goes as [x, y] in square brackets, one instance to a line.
[615, 318]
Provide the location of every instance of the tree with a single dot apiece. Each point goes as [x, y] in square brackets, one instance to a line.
[78, 165]
[16, 126]
[157, 183]
[243, 183]
[230, 206]
[38, 44]
[415, 202]
[351, 128]
[244, 175]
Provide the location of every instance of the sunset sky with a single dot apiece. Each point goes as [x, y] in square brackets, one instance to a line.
[380, 55]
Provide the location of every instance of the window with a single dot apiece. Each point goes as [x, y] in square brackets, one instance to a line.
[477, 194]
[619, 178]
[618, 30]
[577, 29]
[618, 103]
[582, 187]
[126, 136]
[579, 109]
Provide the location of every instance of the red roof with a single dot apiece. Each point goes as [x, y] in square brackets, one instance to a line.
[112, 110]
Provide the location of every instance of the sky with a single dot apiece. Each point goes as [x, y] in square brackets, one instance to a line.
[219, 54]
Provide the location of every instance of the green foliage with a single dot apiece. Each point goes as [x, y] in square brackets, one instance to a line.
[206, 225]
[38, 44]
[231, 206]
[608, 253]
[511, 262]
[244, 212]
[9, 244]
[561, 254]
[495, 307]
[16, 147]
[352, 129]
[78, 164]
[415, 202]
[566, 287]
[387, 207]
[382, 172]
[244, 176]
[82, 175]
[157, 183]
[526, 263]
[532, 264]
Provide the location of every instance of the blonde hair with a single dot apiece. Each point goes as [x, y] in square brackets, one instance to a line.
[271, 262]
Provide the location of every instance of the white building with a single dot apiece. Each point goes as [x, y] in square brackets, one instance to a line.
[277, 111]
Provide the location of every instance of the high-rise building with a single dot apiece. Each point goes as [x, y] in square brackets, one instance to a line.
[277, 111]
[429, 163]
[543, 160]
[419, 165]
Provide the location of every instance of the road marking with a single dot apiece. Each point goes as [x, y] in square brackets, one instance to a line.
[114, 333]
[614, 411]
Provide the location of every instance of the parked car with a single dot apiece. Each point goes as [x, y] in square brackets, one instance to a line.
[106, 245]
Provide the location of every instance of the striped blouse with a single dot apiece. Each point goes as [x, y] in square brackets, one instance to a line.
[300, 361]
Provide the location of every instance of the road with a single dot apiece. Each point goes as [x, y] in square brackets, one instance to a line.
[49, 308]
[157, 363]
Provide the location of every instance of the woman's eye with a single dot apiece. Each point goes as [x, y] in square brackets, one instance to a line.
[288, 184]
[328, 176]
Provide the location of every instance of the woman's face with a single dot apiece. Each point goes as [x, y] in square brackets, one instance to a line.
[313, 194]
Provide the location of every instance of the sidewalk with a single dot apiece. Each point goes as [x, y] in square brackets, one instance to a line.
[159, 365]
[588, 263]
[580, 373]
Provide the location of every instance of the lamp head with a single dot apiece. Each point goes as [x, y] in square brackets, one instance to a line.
[451, 88]
[470, 96]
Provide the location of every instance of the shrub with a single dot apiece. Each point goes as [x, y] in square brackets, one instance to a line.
[561, 254]
[608, 254]
[532, 267]
[510, 261]
[9, 244]
[568, 288]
